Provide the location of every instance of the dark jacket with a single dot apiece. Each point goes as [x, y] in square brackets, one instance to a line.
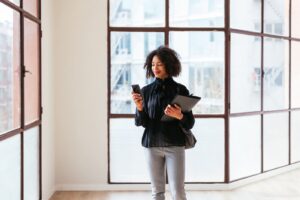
[156, 96]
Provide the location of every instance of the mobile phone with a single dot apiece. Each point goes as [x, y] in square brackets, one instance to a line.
[136, 88]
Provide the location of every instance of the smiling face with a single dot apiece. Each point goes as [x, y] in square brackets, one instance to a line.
[158, 68]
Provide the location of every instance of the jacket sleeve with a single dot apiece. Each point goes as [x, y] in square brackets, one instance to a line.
[141, 117]
[188, 119]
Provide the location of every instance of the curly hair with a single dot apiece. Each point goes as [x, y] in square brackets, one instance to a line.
[168, 57]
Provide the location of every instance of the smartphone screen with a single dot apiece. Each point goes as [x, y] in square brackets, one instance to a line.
[136, 88]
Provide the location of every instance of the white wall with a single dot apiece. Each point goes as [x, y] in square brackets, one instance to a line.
[80, 93]
[48, 128]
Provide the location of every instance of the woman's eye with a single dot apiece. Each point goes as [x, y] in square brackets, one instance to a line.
[158, 65]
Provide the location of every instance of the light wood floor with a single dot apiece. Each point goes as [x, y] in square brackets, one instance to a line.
[282, 187]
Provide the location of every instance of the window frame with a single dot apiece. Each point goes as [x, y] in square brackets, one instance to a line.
[227, 114]
[25, 15]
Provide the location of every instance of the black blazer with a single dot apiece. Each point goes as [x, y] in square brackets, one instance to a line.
[156, 96]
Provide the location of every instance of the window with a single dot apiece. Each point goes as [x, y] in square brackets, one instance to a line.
[128, 55]
[251, 21]
[247, 141]
[10, 61]
[276, 79]
[241, 72]
[193, 13]
[123, 13]
[295, 74]
[206, 59]
[278, 30]
[276, 135]
[268, 28]
[295, 15]
[245, 84]
[276, 12]
[202, 57]
[20, 105]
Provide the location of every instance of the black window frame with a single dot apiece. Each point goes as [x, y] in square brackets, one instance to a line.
[37, 123]
[227, 30]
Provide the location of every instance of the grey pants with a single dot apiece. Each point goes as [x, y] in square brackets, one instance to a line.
[172, 158]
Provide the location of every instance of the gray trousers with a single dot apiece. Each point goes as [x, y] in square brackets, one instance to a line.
[173, 159]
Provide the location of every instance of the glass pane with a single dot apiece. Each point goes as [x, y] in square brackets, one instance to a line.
[295, 18]
[137, 13]
[202, 58]
[10, 168]
[276, 74]
[276, 140]
[31, 53]
[245, 146]
[131, 158]
[10, 110]
[31, 6]
[276, 17]
[205, 162]
[128, 56]
[295, 74]
[295, 136]
[251, 21]
[31, 164]
[17, 2]
[245, 74]
[195, 13]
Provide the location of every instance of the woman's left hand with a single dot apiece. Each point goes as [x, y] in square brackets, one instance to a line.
[174, 111]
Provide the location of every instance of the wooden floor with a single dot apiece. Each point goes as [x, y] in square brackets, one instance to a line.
[282, 187]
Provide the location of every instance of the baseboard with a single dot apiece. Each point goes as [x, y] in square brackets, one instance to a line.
[101, 187]
[146, 187]
[48, 193]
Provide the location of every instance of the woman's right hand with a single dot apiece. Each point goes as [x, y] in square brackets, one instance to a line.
[138, 100]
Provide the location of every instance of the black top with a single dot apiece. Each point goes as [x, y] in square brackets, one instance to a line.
[157, 133]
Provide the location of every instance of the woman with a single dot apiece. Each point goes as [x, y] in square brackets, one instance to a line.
[164, 141]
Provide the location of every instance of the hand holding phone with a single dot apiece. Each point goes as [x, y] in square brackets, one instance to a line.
[137, 97]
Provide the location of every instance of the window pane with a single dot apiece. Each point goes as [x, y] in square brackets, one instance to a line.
[31, 164]
[195, 13]
[131, 158]
[276, 140]
[17, 2]
[245, 74]
[295, 136]
[31, 49]
[137, 13]
[9, 69]
[205, 162]
[250, 21]
[128, 54]
[295, 74]
[276, 72]
[245, 146]
[31, 6]
[276, 16]
[10, 168]
[202, 58]
[295, 18]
